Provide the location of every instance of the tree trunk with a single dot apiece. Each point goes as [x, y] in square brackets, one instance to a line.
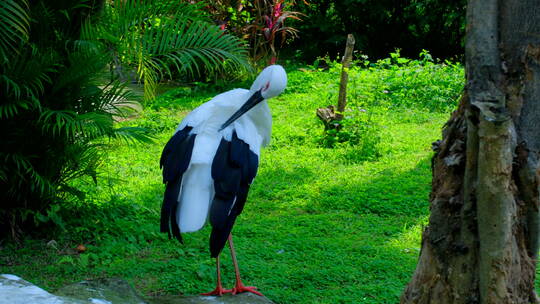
[481, 244]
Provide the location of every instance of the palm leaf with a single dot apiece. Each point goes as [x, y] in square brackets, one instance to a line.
[195, 47]
[156, 37]
[14, 25]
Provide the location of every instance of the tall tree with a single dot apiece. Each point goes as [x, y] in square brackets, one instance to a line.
[481, 243]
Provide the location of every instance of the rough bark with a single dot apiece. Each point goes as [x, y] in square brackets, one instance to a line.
[482, 241]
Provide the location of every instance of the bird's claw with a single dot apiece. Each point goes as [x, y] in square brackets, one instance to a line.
[239, 288]
[219, 291]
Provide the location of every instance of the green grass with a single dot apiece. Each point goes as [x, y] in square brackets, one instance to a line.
[320, 226]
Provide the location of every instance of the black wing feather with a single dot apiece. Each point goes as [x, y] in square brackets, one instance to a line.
[177, 154]
[233, 169]
[174, 162]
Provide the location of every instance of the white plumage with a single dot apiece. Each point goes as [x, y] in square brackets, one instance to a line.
[211, 160]
[254, 128]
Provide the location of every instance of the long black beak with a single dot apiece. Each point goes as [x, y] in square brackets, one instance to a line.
[250, 103]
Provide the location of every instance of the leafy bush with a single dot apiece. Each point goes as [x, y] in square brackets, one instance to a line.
[260, 23]
[55, 111]
[155, 39]
[421, 84]
[358, 132]
[394, 83]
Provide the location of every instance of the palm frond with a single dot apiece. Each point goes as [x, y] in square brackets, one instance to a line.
[26, 175]
[54, 104]
[76, 127]
[82, 65]
[156, 38]
[26, 74]
[133, 134]
[14, 26]
[191, 49]
[11, 108]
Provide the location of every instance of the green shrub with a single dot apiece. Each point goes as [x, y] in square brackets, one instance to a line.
[357, 132]
[421, 84]
[55, 111]
[394, 83]
[156, 39]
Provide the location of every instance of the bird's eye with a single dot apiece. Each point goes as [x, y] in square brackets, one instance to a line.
[266, 86]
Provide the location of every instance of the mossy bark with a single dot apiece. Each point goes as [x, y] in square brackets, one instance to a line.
[482, 240]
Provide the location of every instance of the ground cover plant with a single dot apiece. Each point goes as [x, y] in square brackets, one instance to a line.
[322, 224]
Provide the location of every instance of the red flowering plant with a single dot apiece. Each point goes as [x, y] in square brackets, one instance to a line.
[269, 32]
[260, 22]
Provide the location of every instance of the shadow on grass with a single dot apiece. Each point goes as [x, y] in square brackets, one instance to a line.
[389, 193]
[326, 258]
[359, 245]
[306, 236]
[281, 188]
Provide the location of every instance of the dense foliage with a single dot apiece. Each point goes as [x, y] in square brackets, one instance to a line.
[53, 110]
[57, 101]
[263, 24]
[321, 225]
[152, 40]
[380, 26]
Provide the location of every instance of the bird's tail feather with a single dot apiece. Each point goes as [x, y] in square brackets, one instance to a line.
[219, 237]
[168, 210]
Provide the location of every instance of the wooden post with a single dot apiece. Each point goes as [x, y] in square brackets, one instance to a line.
[328, 115]
[345, 63]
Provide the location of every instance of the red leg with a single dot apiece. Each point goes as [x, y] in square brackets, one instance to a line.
[239, 287]
[219, 291]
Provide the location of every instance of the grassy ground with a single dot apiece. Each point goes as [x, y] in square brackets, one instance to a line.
[321, 225]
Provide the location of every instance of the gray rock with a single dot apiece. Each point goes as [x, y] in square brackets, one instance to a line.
[243, 298]
[14, 290]
[115, 291]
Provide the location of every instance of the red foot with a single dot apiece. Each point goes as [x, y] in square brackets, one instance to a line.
[219, 291]
[239, 288]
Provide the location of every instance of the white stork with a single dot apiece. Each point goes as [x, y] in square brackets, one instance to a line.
[212, 159]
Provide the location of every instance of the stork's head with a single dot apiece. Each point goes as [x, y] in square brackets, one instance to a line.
[270, 83]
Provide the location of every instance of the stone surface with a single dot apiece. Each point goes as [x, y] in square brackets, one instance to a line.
[115, 291]
[243, 298]
[14, 290]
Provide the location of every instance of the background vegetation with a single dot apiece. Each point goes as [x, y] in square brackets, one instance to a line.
[54, 110]
[63, 75]
[321, 225]
[333, 217]
[316, 28]
[380, 26]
